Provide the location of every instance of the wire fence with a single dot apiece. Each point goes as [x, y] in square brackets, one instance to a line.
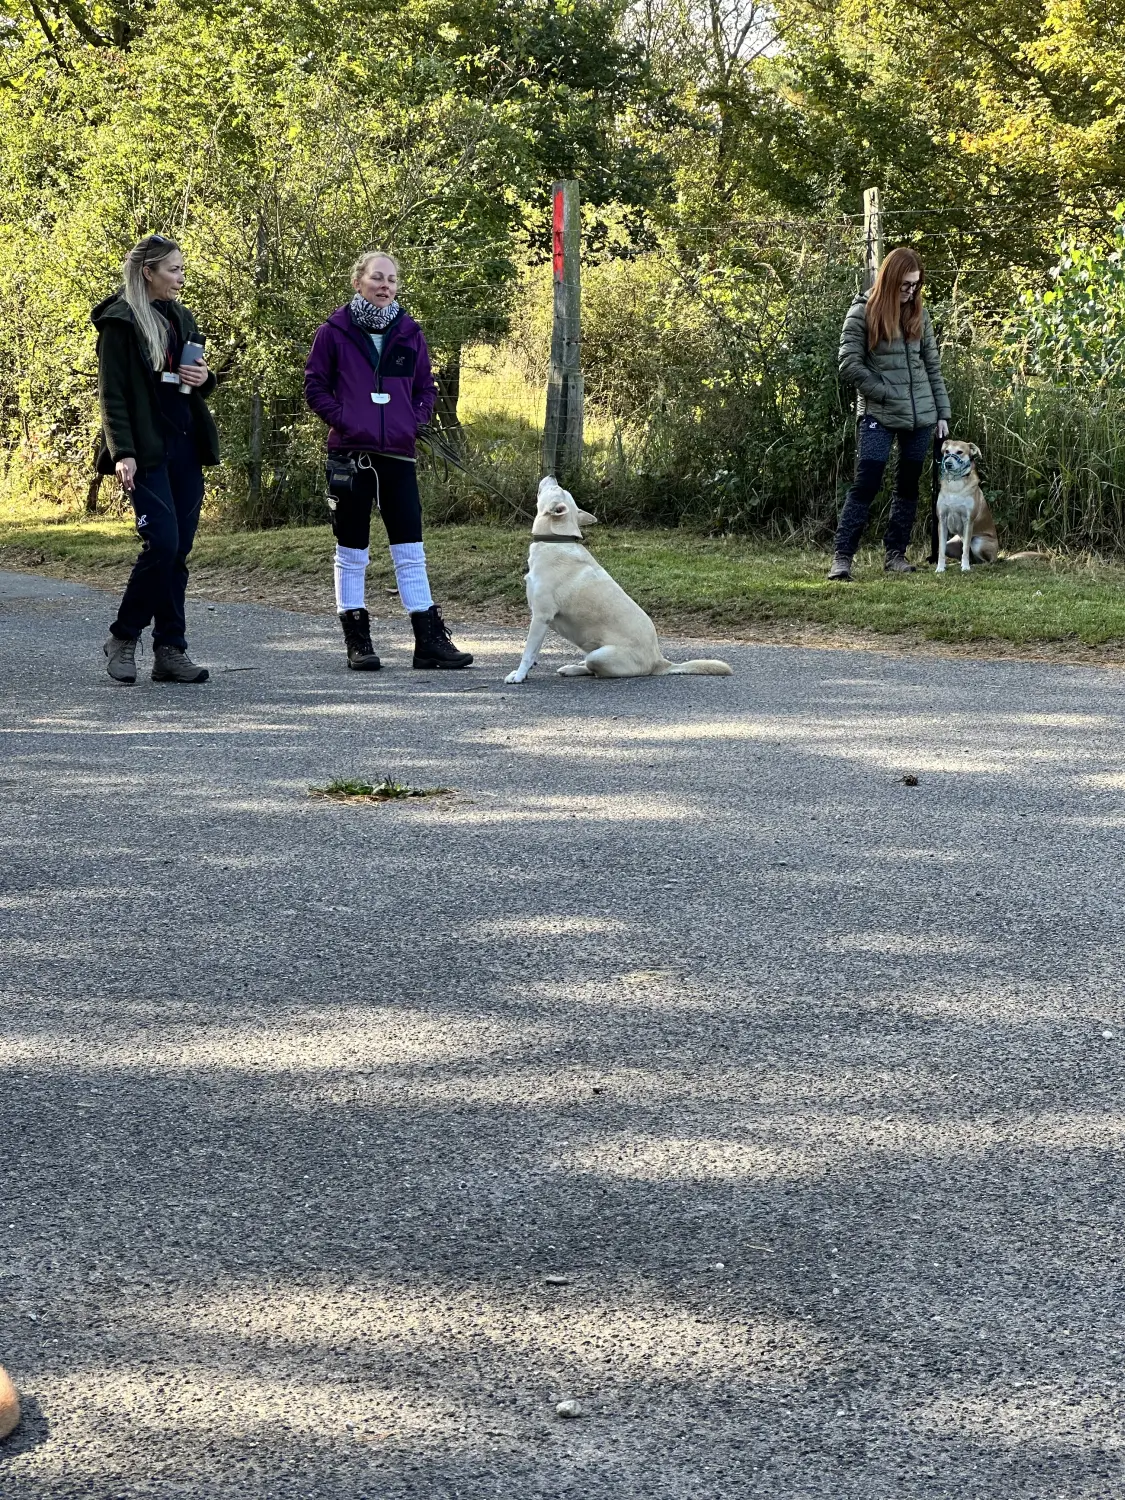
[709, 357]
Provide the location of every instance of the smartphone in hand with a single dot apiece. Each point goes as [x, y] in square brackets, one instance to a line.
[193, 353]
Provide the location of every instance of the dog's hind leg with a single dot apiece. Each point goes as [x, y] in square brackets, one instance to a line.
[575, 669]
[536, 635]
[985, 549]
[614, 661]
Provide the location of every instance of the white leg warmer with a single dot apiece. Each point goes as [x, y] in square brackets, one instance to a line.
[409, 559]
[349, 570]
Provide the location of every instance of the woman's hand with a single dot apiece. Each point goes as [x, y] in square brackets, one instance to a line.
[194, 374]
[126, 469]
[942, 430]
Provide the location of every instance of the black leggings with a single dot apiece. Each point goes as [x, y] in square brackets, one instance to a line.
[391, 484]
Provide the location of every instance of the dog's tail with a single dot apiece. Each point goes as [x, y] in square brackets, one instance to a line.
[701, 668]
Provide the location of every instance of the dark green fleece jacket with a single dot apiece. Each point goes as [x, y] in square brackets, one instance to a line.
[128, 391]
[899, 384]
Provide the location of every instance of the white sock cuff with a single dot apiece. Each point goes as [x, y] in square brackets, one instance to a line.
[356, 557]
[409, 559]
[350, 572]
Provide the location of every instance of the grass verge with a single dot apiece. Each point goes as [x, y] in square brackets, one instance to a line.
[690, 583]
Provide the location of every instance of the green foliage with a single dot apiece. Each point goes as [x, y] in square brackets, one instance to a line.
[275, 141]
[719, 150]
[714, 357]
[1074, 332]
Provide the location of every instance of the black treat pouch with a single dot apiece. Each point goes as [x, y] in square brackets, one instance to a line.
[339, 474]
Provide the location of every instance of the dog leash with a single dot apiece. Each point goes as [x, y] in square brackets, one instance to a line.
[935, 490]
[438, 448]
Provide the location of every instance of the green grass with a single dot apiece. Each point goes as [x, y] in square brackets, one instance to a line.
[710, 584]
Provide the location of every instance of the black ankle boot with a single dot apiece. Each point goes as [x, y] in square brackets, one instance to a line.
[357, 636]
[432, 644]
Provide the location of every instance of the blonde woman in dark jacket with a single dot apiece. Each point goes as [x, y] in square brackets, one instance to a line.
[157, 434]
[889, 353]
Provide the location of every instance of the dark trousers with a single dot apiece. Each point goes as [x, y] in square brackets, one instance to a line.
[167, 501]
[873, 449]
[391, 484]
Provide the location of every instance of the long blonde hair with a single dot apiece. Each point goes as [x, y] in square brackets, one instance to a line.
[150, 325]
[886, 317]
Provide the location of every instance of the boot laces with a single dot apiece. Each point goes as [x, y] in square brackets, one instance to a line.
[359, 634]
[440, 628]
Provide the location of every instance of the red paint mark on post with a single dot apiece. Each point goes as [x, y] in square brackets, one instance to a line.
[557, 224]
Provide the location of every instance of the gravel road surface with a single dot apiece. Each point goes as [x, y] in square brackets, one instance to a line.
[685, 1063]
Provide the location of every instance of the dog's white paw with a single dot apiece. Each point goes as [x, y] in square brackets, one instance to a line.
[513, 677]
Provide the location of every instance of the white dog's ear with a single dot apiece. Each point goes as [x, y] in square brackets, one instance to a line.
[561, 509]
[974, 450]
[584, 518]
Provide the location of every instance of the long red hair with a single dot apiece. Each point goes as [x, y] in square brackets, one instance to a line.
[886, 317]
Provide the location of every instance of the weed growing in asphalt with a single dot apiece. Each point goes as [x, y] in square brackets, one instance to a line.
[388, 790]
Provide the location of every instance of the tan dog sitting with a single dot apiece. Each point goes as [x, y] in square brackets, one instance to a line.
[962, 509]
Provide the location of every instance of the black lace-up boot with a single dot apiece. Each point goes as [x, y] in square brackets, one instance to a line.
[356, 625]
[433, 646]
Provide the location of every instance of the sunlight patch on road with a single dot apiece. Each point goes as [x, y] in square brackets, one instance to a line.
[346, 1037]
[542, 926]
[526, 1332]
[811, 1145]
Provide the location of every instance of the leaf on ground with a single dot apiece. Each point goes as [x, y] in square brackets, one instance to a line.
[387, 790]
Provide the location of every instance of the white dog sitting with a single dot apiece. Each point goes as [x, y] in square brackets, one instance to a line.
[569, 592]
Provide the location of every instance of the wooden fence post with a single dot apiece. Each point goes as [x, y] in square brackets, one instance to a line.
[872, 236]
[257, 406]
[562, 430]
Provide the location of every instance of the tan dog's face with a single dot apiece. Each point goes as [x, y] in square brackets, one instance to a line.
[958, 459]
[559, 506]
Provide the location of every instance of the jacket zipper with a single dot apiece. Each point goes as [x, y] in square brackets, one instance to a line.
[387, 343]
[910, 379]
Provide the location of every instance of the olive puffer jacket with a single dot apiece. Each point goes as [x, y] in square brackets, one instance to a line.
[899, 384]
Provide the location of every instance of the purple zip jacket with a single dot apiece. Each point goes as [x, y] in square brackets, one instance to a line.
[343, 372]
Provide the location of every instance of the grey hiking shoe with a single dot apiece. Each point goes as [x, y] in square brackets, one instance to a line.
[121, 663]
[841, 569]
[896, 563]
[170, 664]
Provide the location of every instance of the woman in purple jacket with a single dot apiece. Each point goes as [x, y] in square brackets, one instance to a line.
[368, 376]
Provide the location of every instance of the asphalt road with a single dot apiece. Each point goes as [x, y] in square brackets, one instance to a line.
[807, 1083]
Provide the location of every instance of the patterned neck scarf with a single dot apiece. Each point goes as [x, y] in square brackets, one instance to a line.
[370, 318]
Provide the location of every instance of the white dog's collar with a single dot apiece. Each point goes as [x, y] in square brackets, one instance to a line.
[578, 539]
